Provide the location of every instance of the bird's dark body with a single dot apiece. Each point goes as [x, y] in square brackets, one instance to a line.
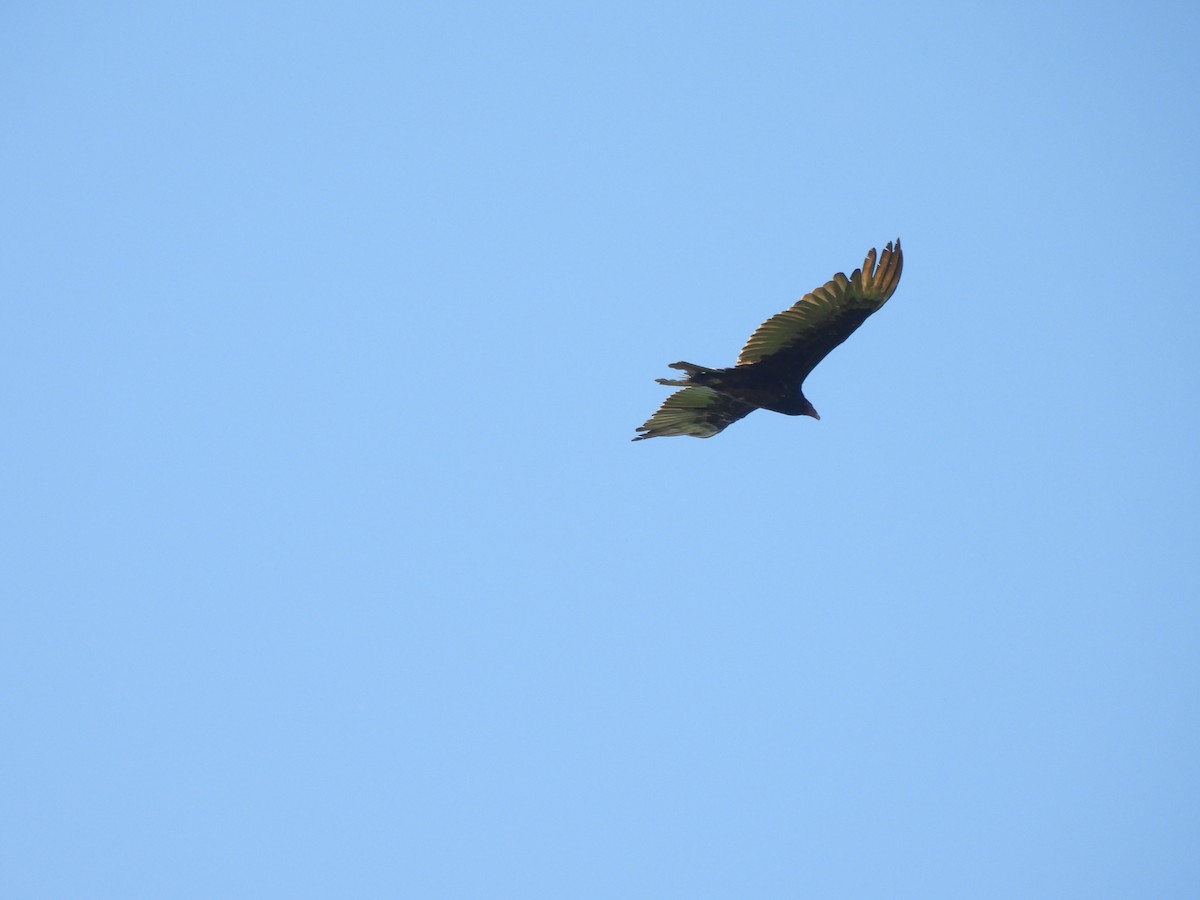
[758, 384]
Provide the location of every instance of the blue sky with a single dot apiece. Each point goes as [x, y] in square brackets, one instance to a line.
[330, 569]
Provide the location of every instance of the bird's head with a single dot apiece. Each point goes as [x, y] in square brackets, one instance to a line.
[795, 404]
[799, 406]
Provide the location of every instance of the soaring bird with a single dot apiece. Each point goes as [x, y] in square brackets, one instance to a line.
[771, 368]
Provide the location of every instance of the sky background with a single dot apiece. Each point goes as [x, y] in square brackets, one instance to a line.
[329, 568]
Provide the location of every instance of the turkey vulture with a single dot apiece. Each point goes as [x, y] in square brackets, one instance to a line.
[778, 357]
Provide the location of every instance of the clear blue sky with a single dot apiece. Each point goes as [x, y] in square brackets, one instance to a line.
[329, 568]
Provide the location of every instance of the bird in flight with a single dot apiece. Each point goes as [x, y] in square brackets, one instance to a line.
[778, 357]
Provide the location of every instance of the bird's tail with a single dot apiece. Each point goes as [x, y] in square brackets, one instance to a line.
[695, 375]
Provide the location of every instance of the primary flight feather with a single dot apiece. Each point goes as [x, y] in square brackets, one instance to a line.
[783, 350]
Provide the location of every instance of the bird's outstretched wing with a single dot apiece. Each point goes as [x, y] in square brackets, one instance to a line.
[798, 338]
[694, 411]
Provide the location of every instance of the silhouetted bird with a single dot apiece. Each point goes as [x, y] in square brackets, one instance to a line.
[772, 366]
